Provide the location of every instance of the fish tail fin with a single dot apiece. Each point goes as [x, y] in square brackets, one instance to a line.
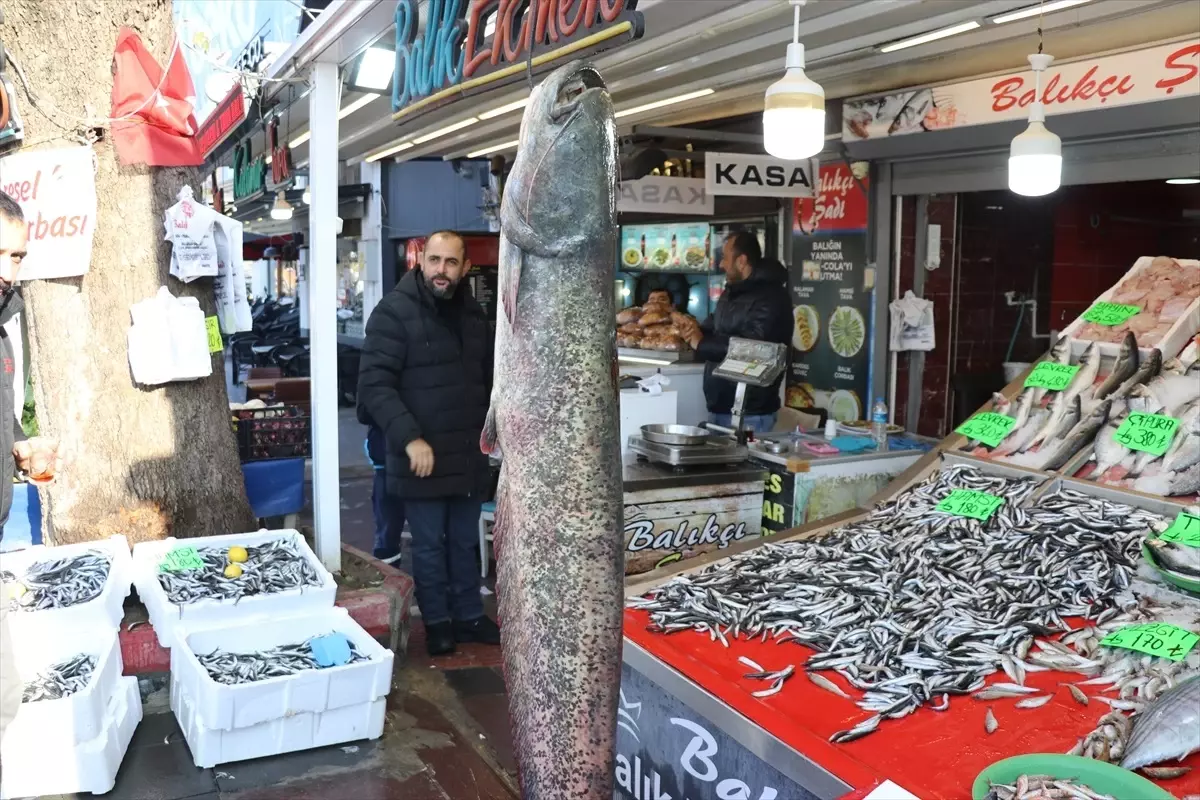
[489, 436]
[510, 285]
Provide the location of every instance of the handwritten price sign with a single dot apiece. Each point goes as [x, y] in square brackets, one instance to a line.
[1110, 313]
[1184, 530]
[970, 503]
[181, 559]
[988, 427]
[1155, 639]
[1051, 375]
[215, 345]
[1150, 433]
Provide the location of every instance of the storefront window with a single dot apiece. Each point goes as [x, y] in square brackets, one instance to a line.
[350, 288]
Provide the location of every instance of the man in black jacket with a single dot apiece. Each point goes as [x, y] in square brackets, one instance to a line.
[425, 379]
[754, 305]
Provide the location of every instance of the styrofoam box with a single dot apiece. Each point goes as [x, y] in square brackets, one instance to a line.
[225, 707]
[80, 716]
[37, 767]
[166, 617]
[104, 612]
[303, 731]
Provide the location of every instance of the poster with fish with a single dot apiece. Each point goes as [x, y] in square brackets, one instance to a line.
[831, 288]
[679, 247]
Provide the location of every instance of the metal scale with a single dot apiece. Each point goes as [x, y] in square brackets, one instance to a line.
[747, 363]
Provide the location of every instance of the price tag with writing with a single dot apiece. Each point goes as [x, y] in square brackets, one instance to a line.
[215, 345]
[970, 503]
[1051, 375]
[1150, 433]
[1184, 530]
[181, 559]
[1154, 638]
[988, 427]
[1110, 313]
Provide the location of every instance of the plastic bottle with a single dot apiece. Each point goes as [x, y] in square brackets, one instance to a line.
[879, 423]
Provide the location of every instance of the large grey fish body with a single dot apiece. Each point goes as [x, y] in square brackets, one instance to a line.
[1149, 368]
[1177, 557]
[1079, 436]
[1168, 729]
[1185, 449]
[1126, 366]
[1171, 484]
[554, 415]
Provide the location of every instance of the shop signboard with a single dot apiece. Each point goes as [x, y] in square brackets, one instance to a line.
[661, 528]
[281, 157]
[222, 121]
[779, 493]
[656, 194]
[840, 205]
[454, 54]
[56, 190]
[1138, 76]
[666, 751]
[249, 172]
[670, 247]
[746, 175]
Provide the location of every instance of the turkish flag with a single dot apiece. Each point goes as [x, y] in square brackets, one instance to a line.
[156, 110]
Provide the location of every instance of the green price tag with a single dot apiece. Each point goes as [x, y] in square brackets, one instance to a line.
[1150, 433]
[1185, 530]
[1110, 313]
[215, 345]
[988, 427]
[970, 503]
[1155, 639]
[181, 559]
[1051, 375]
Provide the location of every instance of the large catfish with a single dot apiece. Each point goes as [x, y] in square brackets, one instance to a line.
[554, 416]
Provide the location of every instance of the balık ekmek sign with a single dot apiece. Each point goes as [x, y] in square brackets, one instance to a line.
[455, 55]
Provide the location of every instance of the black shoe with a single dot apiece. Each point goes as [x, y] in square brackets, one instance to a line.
[481, 631]
[439, 638]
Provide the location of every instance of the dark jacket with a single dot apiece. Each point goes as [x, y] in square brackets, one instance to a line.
[756, 308]
[426, 373]
[10, 426]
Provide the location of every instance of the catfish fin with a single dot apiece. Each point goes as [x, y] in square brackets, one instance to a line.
[489, 436]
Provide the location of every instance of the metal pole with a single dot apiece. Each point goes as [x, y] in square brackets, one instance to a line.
[323, 103]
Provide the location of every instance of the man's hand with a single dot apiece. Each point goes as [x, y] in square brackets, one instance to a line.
[694, 338]
[420, 458]
[37, 457]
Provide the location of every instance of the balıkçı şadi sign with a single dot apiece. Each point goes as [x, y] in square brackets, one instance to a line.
[56, 190]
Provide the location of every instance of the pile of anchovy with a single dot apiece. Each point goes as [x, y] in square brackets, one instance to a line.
[275, 566]
[1043, 787]
[231, 668]
[60, 680]
[912, 605]
[60, 582]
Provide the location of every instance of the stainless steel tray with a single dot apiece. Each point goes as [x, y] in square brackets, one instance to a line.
[675, 434]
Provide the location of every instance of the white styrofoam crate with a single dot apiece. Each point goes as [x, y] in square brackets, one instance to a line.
[224, 707]
[37, 767]
[303, 731]
[80, 716]
[166, 617]
[104, 612]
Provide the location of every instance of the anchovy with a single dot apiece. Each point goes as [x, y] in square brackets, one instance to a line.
[60, 680]
[276, 566]
[231, 669]
[58, 582]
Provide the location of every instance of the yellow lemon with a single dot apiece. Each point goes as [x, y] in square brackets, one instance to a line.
[17, 591]
[233, 571]
[238, 554]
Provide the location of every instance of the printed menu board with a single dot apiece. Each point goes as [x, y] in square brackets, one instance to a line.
[668, 247]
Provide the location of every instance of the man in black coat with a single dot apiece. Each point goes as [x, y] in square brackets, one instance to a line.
[754, 305]
[425, 379]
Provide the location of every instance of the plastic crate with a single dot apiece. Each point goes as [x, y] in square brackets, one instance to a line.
[274, 432]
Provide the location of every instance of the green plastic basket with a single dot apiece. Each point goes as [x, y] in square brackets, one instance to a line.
[1099, 776]
[1172, 578]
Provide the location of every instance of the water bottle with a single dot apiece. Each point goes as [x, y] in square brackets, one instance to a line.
[879, 423]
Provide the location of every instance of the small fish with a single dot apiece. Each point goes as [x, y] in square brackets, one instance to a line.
[1035, 702]
[989, 722]
[826, 684]
[1078, 694]
[1165, 773]
[751, 664]
[1146, 371]
[1079, 436]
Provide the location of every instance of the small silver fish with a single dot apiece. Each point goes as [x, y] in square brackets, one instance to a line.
[989, 722]
[1035, 702]
[1078, 694]
[827, 685]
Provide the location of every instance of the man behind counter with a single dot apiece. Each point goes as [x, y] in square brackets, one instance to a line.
[754, 305]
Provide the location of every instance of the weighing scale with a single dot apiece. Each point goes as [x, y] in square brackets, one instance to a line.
[748, 363]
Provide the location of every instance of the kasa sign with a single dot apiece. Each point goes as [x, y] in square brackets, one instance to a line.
[745, 175]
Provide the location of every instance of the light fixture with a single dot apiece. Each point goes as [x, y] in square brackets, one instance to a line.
[504, 109]
[282, 208]
[268, 161]
[458, 126]
[670, 101]
[1183, 181]
[494, 148]
[373, 157]
[350, 108]
[299, 140]
[932, 36]
[1035, 158]
[794, 108]
[1033, 11]
[306, 198]
[375, 69]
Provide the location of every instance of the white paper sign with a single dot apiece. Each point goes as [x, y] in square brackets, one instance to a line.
[56, 190]
[659, 195]
[748, 175]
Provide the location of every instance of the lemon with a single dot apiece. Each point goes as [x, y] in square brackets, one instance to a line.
[233, 571]
[17, 591]
[238, 554]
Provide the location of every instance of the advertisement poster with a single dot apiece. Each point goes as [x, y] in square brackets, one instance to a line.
[56, 190]
[669, 247]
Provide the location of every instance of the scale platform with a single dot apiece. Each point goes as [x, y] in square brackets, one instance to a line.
[716, 451]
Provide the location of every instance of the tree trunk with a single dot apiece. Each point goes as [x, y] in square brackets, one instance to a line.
[145, 462]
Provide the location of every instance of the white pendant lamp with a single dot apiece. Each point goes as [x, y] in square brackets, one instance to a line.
[794, 111]
[1035, 159]
[282, 208]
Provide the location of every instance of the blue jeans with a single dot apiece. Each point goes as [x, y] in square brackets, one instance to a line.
[389, 517]
[445, 539]
[759, 423]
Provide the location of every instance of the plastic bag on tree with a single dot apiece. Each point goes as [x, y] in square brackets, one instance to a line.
[168, 340]
[233, 310]
[190, 228]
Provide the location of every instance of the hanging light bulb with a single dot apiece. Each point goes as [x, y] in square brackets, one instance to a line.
[794, 110]
[306, 198]
[1035, 158]
[282, 208]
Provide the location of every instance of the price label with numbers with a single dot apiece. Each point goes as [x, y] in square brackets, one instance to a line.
[1184, 530]
[970, 503]
[1155, 639]
[1110, 313]
[215, 345]
[181, 559]
[1052, 375]
[988, 427]
[1150, 433]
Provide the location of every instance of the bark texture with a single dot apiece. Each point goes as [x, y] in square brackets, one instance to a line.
[143, 462]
